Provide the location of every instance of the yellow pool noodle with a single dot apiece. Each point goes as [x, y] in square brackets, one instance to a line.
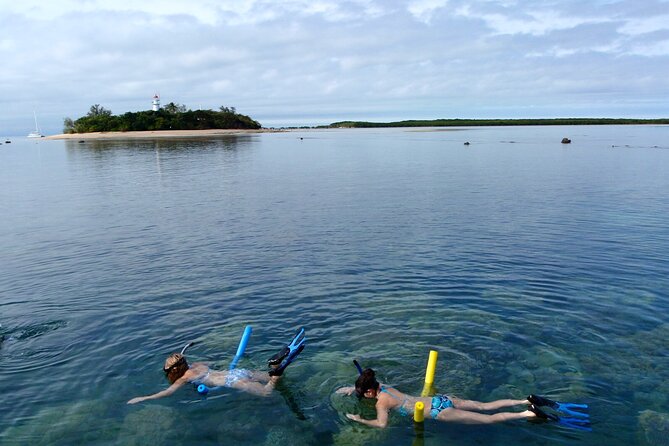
[418, 412]
[429, 373]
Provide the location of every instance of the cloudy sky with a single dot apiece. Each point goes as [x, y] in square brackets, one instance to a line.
[306, 62]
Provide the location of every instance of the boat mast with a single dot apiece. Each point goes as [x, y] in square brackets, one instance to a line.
[36, 127]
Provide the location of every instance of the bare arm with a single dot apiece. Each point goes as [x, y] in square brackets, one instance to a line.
[381, 416]
[167, 392]
[345, 391]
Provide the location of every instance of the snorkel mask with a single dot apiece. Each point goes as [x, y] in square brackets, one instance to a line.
[181, 359]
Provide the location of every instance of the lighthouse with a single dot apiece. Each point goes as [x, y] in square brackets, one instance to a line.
[155, 104]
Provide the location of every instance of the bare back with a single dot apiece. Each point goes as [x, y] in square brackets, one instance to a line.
[391, 398]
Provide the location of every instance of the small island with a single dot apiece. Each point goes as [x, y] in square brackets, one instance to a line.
[171, 117]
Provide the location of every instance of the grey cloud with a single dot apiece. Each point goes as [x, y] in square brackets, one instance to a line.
[282, 61]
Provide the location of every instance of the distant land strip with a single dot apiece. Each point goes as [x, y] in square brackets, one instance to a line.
[496, 122]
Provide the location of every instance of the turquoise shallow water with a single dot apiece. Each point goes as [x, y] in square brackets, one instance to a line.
[531, 266]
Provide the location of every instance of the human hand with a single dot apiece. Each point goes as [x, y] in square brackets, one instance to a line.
[354, 417]
[136, 400]
[345, 390]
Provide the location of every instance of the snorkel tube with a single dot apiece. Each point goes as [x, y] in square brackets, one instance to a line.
[183, 350]
[357, 366]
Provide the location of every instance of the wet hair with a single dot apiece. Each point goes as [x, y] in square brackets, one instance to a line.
[175, 367]
[366, 380]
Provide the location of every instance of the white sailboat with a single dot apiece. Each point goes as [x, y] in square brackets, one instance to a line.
[35, 133]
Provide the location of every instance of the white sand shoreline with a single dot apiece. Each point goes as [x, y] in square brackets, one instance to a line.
[159, 134]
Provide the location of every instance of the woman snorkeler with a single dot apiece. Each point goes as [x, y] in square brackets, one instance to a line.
[178, 373]
[439, 407]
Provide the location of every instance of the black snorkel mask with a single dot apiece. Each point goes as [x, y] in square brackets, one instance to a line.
[180, 361]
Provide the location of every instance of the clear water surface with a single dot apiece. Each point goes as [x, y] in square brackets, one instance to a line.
[529, 265]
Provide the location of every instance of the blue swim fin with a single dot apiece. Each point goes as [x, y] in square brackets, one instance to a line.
[572, 409]
[287, 354]
[576, 423]
[577, 416]
[580, 423]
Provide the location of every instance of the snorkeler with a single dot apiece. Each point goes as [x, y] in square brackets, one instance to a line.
[439, 407]
[179, 373]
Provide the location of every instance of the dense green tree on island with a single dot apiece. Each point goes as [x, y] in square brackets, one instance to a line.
[173, 108]
[496, 122]
[98, 110]
[170, 117]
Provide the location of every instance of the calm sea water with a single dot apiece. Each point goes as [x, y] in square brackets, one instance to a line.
[530, 266]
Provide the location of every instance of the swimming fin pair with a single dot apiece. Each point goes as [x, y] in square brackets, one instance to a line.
[287, 354]
[576, 417]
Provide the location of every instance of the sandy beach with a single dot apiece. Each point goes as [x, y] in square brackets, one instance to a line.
[159, 134]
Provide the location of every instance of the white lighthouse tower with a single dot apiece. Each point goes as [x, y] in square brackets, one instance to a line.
[155, 104]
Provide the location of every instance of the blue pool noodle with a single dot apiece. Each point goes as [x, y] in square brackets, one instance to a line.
[242, 346]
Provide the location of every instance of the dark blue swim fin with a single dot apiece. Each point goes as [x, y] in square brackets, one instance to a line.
[287, 354]
[572, 409]
[580, 423]
[576, 417]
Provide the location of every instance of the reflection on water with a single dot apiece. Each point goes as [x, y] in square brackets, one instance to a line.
[531, 267]
[227, 142]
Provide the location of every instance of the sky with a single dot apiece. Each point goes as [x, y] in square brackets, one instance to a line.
[311, 62]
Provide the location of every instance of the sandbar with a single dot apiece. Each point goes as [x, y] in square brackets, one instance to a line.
[160, 134]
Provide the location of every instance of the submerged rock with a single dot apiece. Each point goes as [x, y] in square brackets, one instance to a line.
[507, 391]
[155, 424]
[84, 422]
[284, 436]
[358, 435]
[542, 368]
[653, 428]
[638, 364]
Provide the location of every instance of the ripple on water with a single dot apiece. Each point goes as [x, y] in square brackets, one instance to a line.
[528, 270]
